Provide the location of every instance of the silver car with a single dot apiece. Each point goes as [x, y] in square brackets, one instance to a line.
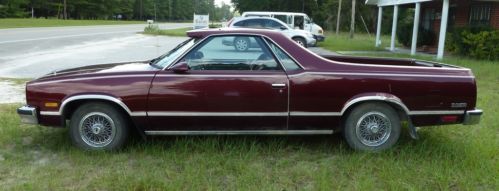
[301, 37]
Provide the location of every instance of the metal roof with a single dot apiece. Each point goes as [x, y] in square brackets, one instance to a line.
[392, 2]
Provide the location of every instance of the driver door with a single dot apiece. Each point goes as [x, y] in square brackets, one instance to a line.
[225, 89]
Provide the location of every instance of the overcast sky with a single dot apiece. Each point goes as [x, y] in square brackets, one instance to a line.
[219, 2]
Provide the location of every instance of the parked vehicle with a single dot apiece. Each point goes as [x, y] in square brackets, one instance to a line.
[299, 21]
[202, 87]
[303, 38]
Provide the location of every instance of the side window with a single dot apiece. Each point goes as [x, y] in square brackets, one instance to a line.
[239, 24]
[254, 23]
[272, 24]
[231, 53]
[286, 61]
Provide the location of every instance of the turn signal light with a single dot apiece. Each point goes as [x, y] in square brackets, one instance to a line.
[449, 118]
[51, 104]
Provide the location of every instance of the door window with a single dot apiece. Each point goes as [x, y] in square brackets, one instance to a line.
[236, 52]
[287, 62]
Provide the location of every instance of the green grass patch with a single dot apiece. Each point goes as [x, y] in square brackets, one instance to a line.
[155, 30]
[361, 42]
[23, 23]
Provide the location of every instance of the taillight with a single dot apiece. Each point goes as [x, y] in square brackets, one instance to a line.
[448, 118]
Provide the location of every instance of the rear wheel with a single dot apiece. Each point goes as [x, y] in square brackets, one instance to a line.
[98, 126]
[372, 127]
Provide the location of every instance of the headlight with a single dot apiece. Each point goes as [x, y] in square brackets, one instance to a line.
[321, 31]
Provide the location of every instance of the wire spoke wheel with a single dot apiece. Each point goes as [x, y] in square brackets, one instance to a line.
[373, 129]
[97, 129]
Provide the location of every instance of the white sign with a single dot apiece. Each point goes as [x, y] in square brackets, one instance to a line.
[201, 21]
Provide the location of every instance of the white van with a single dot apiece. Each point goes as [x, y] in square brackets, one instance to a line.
[294, 20]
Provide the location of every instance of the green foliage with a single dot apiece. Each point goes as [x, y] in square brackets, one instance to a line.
[155, 30]
[476, 42]
[115, 9]
[404, 35]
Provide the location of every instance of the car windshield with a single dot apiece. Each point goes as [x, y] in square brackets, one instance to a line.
[167, 58]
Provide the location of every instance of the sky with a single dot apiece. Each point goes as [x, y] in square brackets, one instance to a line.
[219, 2]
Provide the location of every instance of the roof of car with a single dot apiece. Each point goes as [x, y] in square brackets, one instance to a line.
[201, 33]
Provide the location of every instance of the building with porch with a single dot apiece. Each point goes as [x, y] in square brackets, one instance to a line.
[438, 16]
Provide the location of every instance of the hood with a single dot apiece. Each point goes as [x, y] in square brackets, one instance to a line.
[103, 68]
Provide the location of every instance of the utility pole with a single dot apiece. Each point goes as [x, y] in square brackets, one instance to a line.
[338, 19]
[65, 10]
[155, 20]
[303, 6]
[140, 11]
[352, 22]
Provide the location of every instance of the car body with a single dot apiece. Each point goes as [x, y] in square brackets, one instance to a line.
[300, 21]
[301, 37]
[204, 87]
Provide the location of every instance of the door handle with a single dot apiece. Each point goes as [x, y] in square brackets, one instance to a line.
[280, 86]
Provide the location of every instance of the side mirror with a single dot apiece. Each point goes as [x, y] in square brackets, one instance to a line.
[283, 28]
[181, 68]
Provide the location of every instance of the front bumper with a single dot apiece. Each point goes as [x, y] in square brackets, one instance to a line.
[28, 114]
[319, 37]
[472, 117]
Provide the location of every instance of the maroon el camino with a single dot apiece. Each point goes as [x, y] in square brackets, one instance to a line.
[205, 86]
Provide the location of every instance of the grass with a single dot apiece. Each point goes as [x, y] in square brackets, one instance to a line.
[155, 30]
[452, 157]
[362, 42]
[23, 23]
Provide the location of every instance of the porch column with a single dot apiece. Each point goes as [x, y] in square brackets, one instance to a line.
[378, 29]
[415, 29]
[394, 26]
[443, 29]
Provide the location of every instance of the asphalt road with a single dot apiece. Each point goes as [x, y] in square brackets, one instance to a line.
[33, 52]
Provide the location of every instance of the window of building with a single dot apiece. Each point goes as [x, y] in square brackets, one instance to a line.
[480, 14]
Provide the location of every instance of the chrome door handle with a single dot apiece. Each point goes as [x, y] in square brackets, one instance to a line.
[278, 85]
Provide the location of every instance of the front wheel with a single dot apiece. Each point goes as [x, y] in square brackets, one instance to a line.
[241, 43]
[300, 41]
[372, 127]
[98, 126]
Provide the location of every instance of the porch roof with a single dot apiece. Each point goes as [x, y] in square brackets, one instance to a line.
[392, 2]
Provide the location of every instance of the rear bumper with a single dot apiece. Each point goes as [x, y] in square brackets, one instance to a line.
[28, 114]
[472, 117]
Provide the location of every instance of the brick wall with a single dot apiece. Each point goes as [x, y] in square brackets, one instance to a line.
[494, 16]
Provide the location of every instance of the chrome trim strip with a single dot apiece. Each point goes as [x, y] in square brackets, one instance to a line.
[437, 112]
[223, 75]
[216, 114]
[304, 113]
[138, 114]
[378, 74]
[380, 97]
[242, 132]
[93, 96]
[94, 78]
[50, 113]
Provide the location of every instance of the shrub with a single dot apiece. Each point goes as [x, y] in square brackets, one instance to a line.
[476, 42]
[152, 29]
[404, 35]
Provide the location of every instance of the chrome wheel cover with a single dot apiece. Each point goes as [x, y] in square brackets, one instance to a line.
[97, 129]
[241, 44]
[300, 42]
[373, 129]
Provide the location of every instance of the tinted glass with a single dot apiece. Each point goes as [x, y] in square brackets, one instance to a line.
[285, 59]
[239, 24]
[231, 53]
